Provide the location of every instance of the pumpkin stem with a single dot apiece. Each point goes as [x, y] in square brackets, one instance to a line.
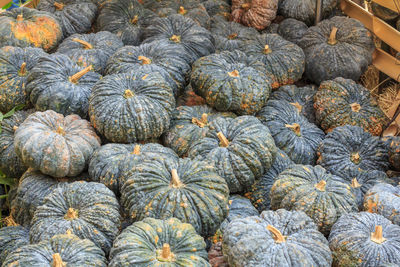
[128, 93]
[20, 18]
[355, 183]
[202, 122]
[15, 127]
[223, 141]
[355, 158]
[57, 261]
[232, 36]
[297, 106]
[22, 70]
[175, 181]
[234, 73]
[204, 118]
[175, 38]
[355, 107]
[321, 186]
[182, 10]
[84, 43]
[69, 232]
[295, 127]
[135, 20]
[58, 6]
[9, 221]
[166, 254]
[246, 6]
[136, 150]
[75, 78]
[60, 130]
[71, 214]
[145, 60]
[267, 49]
[377, 236]
[276, 234]
[332, 37]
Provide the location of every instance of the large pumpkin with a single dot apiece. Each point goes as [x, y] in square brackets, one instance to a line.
[56, 145]
[12, 238]
[24, 27]
[241, 149]
[292, 30]
[254, 13]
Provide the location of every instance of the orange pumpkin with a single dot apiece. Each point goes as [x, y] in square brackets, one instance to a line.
[254, 13]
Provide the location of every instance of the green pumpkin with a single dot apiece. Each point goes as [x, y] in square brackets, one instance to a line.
[218, 8]
[383, 12]
[12, 238]
[241, 149]
[394, 152]
[322, 196]
[275, 238]
[153, 242]
[292, 30]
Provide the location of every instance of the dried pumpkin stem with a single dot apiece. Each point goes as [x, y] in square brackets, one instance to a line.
[267, 49]
[355, 107]
[57, 261]
[136, 150]
[175, 38]
[20, 18]
[75, 78]
[182, 10]
[321, 186]
[145, 60]
[9, 221]
[166, 254]
[128, 93]
[60, 130]
[355, 158]
[377, 236]
[234, 73]
[204, 118]
[223, 141]
[276, 234]
[295, 127]
[202, 122]
[332, 37]
[297, 106]
[71, 214]
[84, 43]
[232, 36]
[175, 181]
[59, 6]
[246, 6]
[135, 20]
[355, 183]
[22, 70]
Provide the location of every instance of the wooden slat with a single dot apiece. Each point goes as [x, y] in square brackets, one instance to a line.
[394, 5]
[386, 63]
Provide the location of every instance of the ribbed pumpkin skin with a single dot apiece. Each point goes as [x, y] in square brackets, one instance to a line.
[250, 153]
[259, 14]
[125, 116]
[187, 126]
[12, 238]
[50, 86]
[336, 104]
[66, 153]
[74, 17]
[384, 199]
[103, 46]
[394, 152]
[279, 116]
[284, 60]
[73, 251]
[296, 188]
[339, 150]
[383, 12]
[125, 18]
[36, 28]
[292, 30]
[348, 58]
[353, 232]
[218, 8]
[248, 242]
[202, 201]
[141, 245]
[12, 80]
[190, 98]
[231, 81]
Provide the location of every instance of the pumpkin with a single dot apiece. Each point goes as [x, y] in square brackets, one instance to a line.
[341, 101]
[254, 13]
[216, 257]
[394, 152]
[15, 65]
[384, 199]
[12, 238]
[350, 147]
[74, 16]
[292, 30]
[241, 149]
[154, 242]
[231, 81]
[275, 238]
[283, 59]
[292, 132]
[196, 41]
[190, 124]
[56, 145]
[189, 98]
[60, 250]
[131, 107]
[125, 18]
[189, 190]
[337, 47]
[383, 12]
[273, 28]
[91, 49]
[322, 196]
[218, 8]
[259, 191]
[372, 238]
[59, 84]
[24, 27]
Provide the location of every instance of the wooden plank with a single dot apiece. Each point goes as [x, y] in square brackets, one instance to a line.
[393, 5]
[386, 63]
[4, 2]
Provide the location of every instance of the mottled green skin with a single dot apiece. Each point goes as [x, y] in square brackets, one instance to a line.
[12, 238]
[295, 189]
[104, 44]
[277, 114]
[201, 201]
[50, 87]
[243, 94]
[292, 29]
[143, 116]
[248, 242]
[348, 58]
[183, 132]
[353, 232]
[383, 12]
[12, 81]
[141, 244]
[110, 163]
[10, 164]
[394, 152]
[73, 251]
[332, 104]
[218, 8]
[285, 62]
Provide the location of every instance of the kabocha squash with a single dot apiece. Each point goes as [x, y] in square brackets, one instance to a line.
[292, 30]
[56, 145]
[189, 190]
[254, 13]
[11, 238]
[341, 101]
[337, 47]
[218, 8]
[60, 250]
[189, 98]
[15, 66]
[60, 84]
[394, 152]
[190, 124]
[91, 49]
[231, 81]
[372, 238]
[276, 238]
[322, 196]
[291, 131]
[131, 107]
[24, 27]
[383, 12]
[241, 149]
[284, 60]
[216, 257]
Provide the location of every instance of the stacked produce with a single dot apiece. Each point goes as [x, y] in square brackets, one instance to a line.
[192, 133]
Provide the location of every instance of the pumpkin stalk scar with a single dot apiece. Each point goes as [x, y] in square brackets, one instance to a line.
[295, 127]
[59, 6]
[276, 234]
[84, 43]
[232, 36]
[355, 158]
[234, 73]
[321, 186]
[223, 140]
[57, 261]
[60, 130]
[128, 93]
[135, 20]
[175, 181]
[332, 37]
[145, 60]
[355, 183]
[377, 236]
[182, 10]
[20, 18]
[9, 221]
[71, 214]
[136, 150]
[202, 122]
[246, 6]
[75, 78]
[22, 70]
[267, 50]
[175, 38]
[166, 254]
[355, 107]
[297, 106]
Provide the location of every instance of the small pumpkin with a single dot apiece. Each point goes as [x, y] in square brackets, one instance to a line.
[218, 8]
[254, 13]
[292, 30]
[12, 237]
[394, 152]
[56, 145]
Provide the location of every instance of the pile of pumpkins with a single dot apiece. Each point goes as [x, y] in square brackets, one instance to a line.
[193, 133]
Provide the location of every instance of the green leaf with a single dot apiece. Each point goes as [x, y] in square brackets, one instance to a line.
[11, 112]
[7, 181]
[3, 196]
[7, 6]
